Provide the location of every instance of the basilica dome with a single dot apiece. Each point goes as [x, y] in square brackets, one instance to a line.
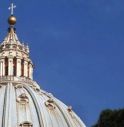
[22, 102]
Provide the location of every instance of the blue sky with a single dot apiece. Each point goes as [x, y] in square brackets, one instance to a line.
[77, 47]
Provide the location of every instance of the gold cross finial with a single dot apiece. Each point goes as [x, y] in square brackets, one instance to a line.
[11, 8]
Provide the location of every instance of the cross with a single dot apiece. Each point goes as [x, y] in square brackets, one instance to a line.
[12, 7]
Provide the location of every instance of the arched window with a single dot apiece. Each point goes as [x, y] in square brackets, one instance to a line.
[14, 66]
[6, 66]
[22, 67]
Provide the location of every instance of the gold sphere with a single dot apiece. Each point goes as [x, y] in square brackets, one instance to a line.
[12, 20]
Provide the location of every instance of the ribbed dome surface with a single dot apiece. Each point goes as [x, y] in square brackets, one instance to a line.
[24, 104]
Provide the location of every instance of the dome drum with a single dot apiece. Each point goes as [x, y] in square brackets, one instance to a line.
[15, 66]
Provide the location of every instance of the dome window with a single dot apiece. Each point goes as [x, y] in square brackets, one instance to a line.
[20, 47]
[26, 124]
[37, 89]
[7, 46]
[14, 46]
[70, 109]
[50, 104]
[19, 86]
[23, 99]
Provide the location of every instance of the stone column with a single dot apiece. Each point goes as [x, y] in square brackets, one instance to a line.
[30, 71]
[25, 68]
[3, 67]
[10, 66]
[18, 67]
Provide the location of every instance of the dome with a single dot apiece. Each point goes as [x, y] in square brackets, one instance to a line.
[22, 102]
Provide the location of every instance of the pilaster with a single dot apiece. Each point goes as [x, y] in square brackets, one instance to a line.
[2, 67]
[25, 68]
[30, 71]
[10, 67]
[18, 67]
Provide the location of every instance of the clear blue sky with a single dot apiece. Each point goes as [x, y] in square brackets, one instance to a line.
[78, 50]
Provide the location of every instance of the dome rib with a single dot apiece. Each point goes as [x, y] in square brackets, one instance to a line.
[4, 107]
[67, 121]
[36, 106]
[12, 105]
